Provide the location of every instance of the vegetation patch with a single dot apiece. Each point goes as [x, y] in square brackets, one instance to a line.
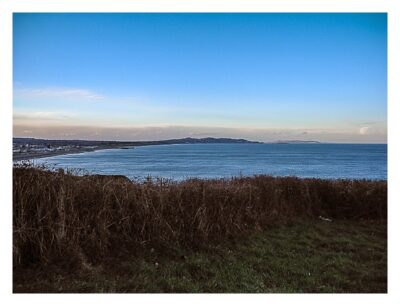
[84, 223]
[312, 256]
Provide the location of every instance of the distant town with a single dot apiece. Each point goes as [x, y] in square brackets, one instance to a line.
[27, 150]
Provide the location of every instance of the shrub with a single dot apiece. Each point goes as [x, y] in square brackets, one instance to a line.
[58, 215]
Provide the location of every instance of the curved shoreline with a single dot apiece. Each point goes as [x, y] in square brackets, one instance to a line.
[30, 156]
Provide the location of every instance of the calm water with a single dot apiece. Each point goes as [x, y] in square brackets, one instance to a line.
[227, 160]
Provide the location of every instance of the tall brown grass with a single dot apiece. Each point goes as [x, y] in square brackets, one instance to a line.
[86, 218]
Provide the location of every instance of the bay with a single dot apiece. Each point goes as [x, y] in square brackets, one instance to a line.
[332, 161]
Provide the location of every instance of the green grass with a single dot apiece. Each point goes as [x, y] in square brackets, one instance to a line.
[304, 256]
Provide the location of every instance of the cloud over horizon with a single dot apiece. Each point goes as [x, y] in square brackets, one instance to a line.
[364, 130]
[56, 92]
[168, 132]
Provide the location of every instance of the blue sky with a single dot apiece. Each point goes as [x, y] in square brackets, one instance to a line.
[150, 76]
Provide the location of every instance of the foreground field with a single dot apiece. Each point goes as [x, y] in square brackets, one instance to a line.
[258, 234]
[312, 256]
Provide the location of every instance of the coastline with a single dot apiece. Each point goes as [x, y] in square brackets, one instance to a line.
[90, 146]
[30, 156]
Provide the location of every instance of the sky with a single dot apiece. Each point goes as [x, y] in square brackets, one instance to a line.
[145, 76]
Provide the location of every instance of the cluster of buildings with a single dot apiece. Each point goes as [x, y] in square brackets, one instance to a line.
[41, 148]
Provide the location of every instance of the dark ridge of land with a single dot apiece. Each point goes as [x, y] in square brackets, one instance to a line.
[246, 234]
[189, 140]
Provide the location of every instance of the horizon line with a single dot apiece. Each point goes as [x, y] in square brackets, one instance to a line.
[255, 141]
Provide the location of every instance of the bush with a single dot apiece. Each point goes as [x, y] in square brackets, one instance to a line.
[84, 218]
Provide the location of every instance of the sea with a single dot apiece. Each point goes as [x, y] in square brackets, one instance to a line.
[182, 161]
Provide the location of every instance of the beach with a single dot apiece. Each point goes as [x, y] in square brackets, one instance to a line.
[36, 155]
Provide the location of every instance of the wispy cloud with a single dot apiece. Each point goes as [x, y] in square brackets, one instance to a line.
[66, 93]
[39, 116]
[47, 119]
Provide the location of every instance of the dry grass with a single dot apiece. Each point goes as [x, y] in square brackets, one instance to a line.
[83, 219]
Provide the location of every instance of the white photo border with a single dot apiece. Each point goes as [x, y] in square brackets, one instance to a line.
[8, 7]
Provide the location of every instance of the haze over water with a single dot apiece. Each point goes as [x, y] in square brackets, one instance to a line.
[333, 161]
